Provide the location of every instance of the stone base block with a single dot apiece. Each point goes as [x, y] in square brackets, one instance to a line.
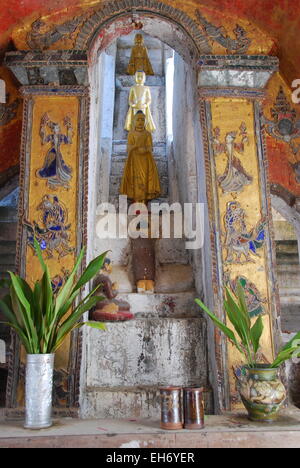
[147, 352]
[173, 305]
[128, 404]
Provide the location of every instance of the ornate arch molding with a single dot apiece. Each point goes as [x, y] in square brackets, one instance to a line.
[120, 8]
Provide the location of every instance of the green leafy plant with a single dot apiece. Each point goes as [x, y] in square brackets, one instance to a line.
[246, 337]
[42, 319]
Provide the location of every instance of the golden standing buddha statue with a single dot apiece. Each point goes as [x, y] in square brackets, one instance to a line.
[140, 180]
[139, 100]
[139, 59]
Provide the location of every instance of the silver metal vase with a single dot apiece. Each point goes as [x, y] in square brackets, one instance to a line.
[38, 391]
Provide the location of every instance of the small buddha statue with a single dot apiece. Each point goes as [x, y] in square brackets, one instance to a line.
[110, 308]
[139, 100]
[140, 180]
[139, 59]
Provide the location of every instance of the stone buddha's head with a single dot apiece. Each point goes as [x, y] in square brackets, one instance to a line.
[139, 121]
[140, 77]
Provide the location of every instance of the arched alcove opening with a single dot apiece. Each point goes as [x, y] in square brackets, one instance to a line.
[287, 240]
[166, 343]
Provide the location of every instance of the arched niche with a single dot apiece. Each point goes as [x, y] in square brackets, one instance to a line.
[187, 178]
[223, 83]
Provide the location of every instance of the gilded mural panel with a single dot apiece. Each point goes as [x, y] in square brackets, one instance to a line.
[243, 227]
[52, 207]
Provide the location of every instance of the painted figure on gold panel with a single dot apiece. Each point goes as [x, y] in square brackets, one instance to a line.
[58, 281]
[53, 234]
[254, 300]
[239, 241]
[55, 170]
[235, 177]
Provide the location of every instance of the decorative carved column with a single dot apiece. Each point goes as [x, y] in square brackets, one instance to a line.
[53, 184]
[231, 89]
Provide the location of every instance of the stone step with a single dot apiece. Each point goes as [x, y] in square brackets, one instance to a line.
[288, 246]
[7, 259]
[287, 259]
[290, 269]
[147, 352]
[287, 252]
[7, 247]
[8, 232]
[290, 316]
[8, 214]
[169, 305]
[5, 275]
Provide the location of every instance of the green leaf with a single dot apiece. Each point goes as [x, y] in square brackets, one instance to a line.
[256, 333]
[8, 312]
[290, 343]
[91, 270]
[68, 324]
[229, 333]
[36, 314]
[242, 304]
[20, 290]
[236, 317]
[48, 296]
[65, 292]
[17, 308]
[22, 337]
[38, 306]
[285, 355]
[39, 254]
[98, 325]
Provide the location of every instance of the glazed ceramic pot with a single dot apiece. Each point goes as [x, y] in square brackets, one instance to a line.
[171, 411]
[262, 393]
[193, 405]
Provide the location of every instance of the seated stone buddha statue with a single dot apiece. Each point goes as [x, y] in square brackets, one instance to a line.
[110, 308]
